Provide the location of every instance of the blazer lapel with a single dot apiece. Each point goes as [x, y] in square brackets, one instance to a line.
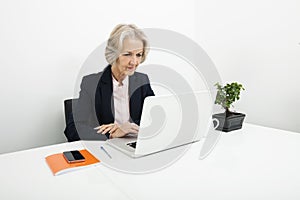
[104, 101]
[134, 96]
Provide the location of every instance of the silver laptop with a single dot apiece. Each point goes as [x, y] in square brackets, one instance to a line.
[168, 121]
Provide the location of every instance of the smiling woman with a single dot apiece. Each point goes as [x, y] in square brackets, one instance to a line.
[110, 102]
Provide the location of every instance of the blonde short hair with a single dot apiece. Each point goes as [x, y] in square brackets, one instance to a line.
[118, 35]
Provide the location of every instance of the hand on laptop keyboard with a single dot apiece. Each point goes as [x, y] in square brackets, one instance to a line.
[116, 130]
[124, 129]
[129, 128]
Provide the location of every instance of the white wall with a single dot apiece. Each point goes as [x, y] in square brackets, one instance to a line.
[44, 43]
[256, 43]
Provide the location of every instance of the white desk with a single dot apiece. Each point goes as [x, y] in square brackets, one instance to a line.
[252, 163]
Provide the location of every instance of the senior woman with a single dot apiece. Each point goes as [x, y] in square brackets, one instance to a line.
[110, 102]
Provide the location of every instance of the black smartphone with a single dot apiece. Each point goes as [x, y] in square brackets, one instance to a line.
[73, 156]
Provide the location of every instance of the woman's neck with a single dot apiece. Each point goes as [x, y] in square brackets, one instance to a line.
[117, 74]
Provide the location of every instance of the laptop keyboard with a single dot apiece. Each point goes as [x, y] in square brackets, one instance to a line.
[132, 144]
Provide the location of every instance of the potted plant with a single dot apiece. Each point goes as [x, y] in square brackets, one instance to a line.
[226, 96]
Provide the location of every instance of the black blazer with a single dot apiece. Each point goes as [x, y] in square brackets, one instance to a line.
[95, 105]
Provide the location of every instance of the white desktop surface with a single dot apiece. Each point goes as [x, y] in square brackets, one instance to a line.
[253, 163]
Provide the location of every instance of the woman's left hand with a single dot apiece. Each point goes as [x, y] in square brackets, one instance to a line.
[117, 133]
[124, 129]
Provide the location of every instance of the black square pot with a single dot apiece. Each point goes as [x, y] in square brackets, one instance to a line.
[230, 121]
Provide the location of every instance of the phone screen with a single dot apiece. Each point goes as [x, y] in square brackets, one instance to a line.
[73, 156]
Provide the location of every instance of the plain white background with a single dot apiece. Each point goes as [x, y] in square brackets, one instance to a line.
[44, 43]
[256, 43]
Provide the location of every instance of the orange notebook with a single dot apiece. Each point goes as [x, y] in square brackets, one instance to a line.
[59, 165]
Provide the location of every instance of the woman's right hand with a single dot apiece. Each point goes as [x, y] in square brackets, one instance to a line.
[118, 131]
[106, 128]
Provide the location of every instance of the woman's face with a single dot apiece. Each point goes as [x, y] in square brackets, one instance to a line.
[130, 57]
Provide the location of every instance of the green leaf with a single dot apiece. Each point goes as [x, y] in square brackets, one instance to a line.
[228, 94]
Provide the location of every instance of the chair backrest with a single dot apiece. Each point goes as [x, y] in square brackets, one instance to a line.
[70, 130]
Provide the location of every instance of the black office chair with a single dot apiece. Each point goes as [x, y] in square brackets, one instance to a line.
[70, 130]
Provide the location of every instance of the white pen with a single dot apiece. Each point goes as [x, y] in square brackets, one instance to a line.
[106, 152]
